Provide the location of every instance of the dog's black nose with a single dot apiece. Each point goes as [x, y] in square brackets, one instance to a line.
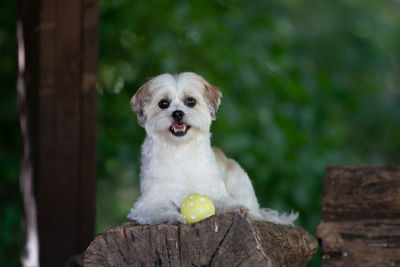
[178, 115]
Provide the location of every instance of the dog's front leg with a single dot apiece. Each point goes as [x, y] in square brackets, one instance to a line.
[149, 210]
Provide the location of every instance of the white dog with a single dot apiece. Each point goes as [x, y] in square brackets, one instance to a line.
[177, 158]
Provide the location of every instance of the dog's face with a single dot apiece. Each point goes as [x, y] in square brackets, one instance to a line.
[176, 107]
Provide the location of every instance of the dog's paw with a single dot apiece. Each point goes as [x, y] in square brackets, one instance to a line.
[172, 218]
[151, 217]
[225, 205]
[242, 210]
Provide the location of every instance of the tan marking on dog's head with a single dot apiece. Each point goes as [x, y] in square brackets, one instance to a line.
[213, 95]
[139, 102]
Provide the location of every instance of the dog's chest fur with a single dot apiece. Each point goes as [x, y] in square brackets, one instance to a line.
[183, 169]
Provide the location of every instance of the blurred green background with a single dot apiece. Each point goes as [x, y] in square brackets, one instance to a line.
[305, 84]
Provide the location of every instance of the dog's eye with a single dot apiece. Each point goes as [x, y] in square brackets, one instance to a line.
[163, 104]
[190, 102]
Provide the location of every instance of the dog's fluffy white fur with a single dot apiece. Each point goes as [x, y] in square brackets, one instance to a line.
[177, 157]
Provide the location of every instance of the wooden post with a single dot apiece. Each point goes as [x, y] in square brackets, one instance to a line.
[229, 239]
[361, 216]
[57, 97]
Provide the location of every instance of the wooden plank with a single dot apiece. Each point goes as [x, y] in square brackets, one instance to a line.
[27, 18]
[362, 243]
[61, 69]
[361, 211]
[88, 111]
[361, 192]
[58, 134]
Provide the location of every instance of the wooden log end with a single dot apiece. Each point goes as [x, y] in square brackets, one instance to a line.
[221, 240]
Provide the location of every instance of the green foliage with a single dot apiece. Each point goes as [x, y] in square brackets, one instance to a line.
[305, 84]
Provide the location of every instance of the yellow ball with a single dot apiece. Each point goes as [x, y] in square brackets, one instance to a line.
[197, 207]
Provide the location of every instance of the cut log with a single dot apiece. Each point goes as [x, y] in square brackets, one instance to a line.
[229, 239]
[361, 211]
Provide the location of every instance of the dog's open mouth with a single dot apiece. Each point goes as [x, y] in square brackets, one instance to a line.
[179, 128]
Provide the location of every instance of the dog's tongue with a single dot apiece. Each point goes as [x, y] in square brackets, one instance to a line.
[179, 128]
[179, 125]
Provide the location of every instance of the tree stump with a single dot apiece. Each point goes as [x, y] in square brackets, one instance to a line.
[361, 212]
[229, 239]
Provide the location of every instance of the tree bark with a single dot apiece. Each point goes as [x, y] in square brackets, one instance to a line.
[229, 239]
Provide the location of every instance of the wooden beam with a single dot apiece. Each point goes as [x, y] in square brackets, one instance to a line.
[361, 211]
[58, 103]
[361, 192]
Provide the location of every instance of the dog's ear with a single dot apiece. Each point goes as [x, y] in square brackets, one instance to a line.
[213, 95]
[139, 102]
